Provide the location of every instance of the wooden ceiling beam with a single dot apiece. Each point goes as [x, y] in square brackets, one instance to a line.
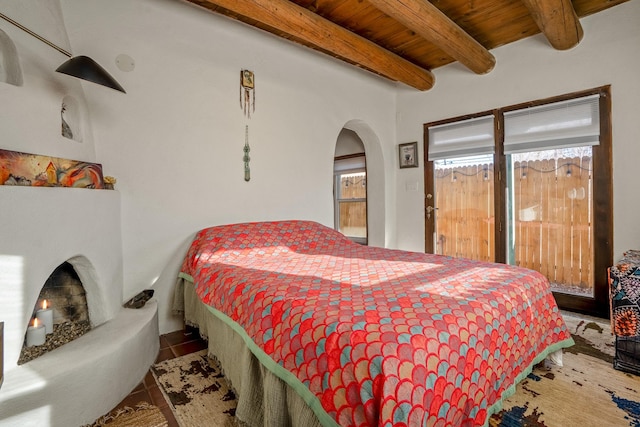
[433, 25]
[558, 21]
[301, 24]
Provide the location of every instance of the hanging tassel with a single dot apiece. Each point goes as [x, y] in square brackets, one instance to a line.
[246, 158]
[247, 103]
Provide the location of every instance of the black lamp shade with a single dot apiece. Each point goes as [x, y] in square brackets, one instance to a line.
[86, 68]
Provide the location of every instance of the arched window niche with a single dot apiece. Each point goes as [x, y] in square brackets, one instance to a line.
[377, 229]
[71, 118]
[350, 187]
[10, 70]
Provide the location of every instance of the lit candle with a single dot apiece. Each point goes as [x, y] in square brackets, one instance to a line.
[45, 316]
[36, 334]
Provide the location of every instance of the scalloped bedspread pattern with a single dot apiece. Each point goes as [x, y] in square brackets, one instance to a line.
[381, 337]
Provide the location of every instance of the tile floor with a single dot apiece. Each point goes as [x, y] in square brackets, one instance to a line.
[172, 345]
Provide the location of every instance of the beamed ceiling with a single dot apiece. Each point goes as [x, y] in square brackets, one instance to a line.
[403, 40]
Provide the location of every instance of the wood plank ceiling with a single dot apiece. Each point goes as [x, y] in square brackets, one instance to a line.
[403, 40]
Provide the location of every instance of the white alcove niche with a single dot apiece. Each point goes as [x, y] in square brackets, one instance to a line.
[10, 70]
[71, 118]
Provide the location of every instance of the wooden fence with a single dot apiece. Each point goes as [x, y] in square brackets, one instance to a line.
[552, 217]
[353, 214]
[465, 219]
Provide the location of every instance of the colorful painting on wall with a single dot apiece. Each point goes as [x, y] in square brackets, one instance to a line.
[44, 171]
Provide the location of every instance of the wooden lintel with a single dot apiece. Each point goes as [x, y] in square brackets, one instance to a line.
[301, 24]
[558, 21]
[433, 25]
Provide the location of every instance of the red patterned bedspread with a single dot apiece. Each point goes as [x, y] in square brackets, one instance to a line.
[382, 337]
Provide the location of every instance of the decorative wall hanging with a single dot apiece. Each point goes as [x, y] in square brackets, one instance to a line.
[71, 118]
[44, 171]
[246, 158]
[247, 92]
[66, 129]
[408, 155]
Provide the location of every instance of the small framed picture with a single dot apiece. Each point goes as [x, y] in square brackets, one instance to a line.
[408, 155]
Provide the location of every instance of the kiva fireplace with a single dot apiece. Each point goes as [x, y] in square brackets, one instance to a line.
[60, 316]
[77, 231]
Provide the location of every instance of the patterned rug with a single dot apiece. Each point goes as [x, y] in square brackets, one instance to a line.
[143, 415]
[197, 391]
[585, 392]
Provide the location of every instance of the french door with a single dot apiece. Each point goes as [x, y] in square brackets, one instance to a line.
[541, 202]
[462, 213]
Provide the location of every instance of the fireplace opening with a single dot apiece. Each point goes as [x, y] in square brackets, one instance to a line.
[61, 314]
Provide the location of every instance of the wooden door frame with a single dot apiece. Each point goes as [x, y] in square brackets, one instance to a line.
[429, 183]
[603, 211]
[602, 197]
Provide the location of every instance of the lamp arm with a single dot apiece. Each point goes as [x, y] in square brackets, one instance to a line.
[42, 39]
[81, 67]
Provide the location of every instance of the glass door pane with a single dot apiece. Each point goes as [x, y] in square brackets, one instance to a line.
[464, 207]
[353, 219]
[550, 227]
[351, 203]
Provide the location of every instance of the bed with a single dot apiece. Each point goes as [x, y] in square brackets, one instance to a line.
[312, 329]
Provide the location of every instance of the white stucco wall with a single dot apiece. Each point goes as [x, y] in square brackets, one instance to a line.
[30, 114]
[348, 143]
[528, 70]
[175, 140]
[40, 228]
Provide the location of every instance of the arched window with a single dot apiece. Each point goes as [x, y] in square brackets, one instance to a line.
[350, 187]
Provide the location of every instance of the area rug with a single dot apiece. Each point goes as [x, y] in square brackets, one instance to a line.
[196, 390]
[585, 392]
[143, 414]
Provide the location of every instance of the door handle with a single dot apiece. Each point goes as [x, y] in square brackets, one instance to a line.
[429, 209]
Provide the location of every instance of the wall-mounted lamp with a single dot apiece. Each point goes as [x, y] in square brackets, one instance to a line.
[81, 67]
